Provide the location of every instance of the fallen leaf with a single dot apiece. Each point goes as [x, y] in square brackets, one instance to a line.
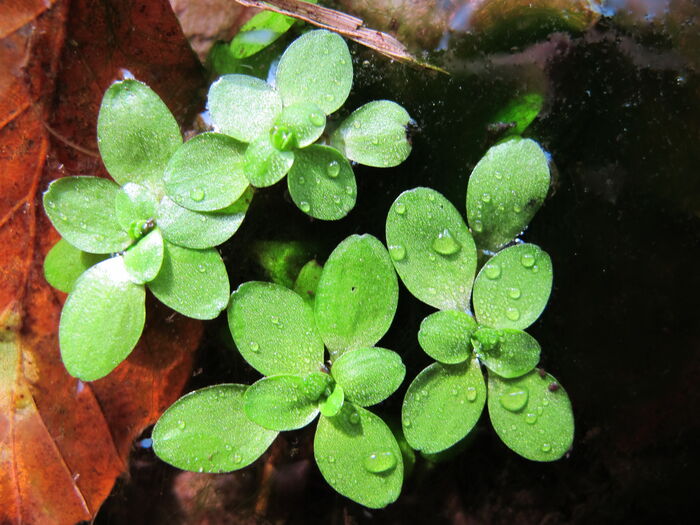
[64, 442]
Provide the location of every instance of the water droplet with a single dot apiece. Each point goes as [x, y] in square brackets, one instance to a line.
[201, 268]
[540, 411]
[254, 347]
[63, 217]
[375, 141]
[514, 399]
[400, 208]
[406, 422]
[471, 393]
[431, 257]
[354, 418]
[513, 314]
[545, 402]
[432, 290]
[531, 418]
[331, 459]
[379, 462]
[514, 293]
[424, 393]
[498, 175]
[276, 321]
[349, 190]
[527, 260]
[305, 206]
[333, 169]
[356, 124]
[282, 138]
[52, 205]
[397, 252]
[486, 197]
[197, 194]
[445, 243]
[302, 180]
[237, 458]
[517, 209]
[546, 447]
[330, 98]
[478, 226]
[181, 425]
[493, 271]
[317, 119]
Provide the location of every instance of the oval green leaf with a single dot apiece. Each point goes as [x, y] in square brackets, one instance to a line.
[132, 204]
[519, 113]
[304, 120]
[506, 188]
[274, 330]
[101, 321]
[264, 164]
[322, 183]
[243, 107]
[192, 282]
[532, 415]
[65, 263]
[208, 431]
[375, 135]
[445, 336]
[357, 295]
[206, 173]
[199, 230]
[280, 403]
[317, 68]
[442, 405]
[359, 457]
[307, 281]
[513, 287]
[144, 259]
[259, 32]
[333, 404]
[82, 210]
[431, 248]
[508, 352]
[136, 134]
[369, 375]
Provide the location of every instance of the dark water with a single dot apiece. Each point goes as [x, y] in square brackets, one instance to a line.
[621, 331]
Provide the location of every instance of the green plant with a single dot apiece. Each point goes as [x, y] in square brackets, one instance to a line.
[435, 255]
[283, 123]
[119, 238]
[282, 335]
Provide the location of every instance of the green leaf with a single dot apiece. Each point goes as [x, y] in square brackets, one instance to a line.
[357, 295]
[333, 404]
[317, 68]
[431, 248]
[307, 281]
[520, 112]
[144, 259]
[208, 431]
[532, 415]
[274, 330]
[206, 173]
[101, 320]
[65, 263]
[259, 32]
[369, 375]
[280, 403]
[243, 106]
[513, 287]
[506, 188]
[322, 183]
[198, 230]
[508, 352]
[445, 336]
[359, 457]
[304, 120]
[264, 164]
[133, 204]
[442, 405]
[375, 135]
[82, 210]
[192, 282]
[136, 134]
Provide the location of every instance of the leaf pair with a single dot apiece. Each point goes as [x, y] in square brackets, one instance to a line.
[281, 123]
[436, 257]
[282, 335]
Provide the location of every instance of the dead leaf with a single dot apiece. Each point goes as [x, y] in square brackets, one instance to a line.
[64, 442]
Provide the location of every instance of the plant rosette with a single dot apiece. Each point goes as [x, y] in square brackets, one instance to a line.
[284, 337]
[282, 123]
[138, 231]
[435, 255]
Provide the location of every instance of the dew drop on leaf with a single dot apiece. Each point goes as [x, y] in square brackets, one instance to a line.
[333, 169]
[317, 119]
[531, 418]
[400, 208]
[237, 458]
[305, 206]
[486, 197]
[478, 226]
[514, 399]
[181, 425]
[471, 394]
[379, 462]
[397, 252]
[513, 314]
[493, 271]
[527, 260]
[546, 447]
[445, 243]
[254, 347]
[514, 293]
[197, 194]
